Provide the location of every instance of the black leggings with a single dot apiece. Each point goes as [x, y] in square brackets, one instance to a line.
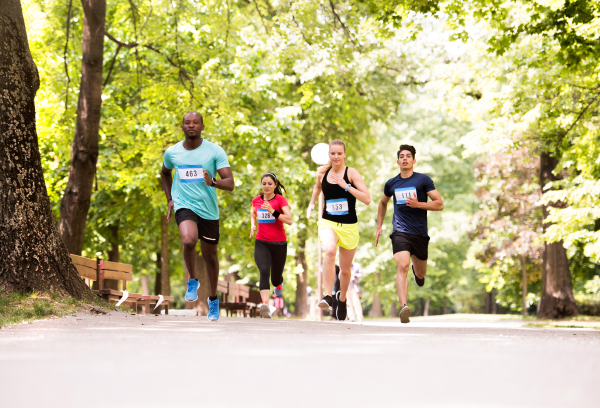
[270, 259]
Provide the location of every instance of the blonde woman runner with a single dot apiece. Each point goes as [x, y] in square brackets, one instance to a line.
[341, 187]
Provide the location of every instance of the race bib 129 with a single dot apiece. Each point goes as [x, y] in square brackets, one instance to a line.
[339, 206]
[193, 173]
[264, 216]
[403, 193]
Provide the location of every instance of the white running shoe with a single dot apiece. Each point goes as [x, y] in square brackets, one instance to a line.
[265, 313]
[405, 314]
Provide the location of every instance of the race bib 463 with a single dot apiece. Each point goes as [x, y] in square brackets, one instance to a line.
[193, 173]
[338, 206]
[264, 216]
[403, 193]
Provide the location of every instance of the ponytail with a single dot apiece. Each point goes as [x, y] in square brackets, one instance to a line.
[279, 187]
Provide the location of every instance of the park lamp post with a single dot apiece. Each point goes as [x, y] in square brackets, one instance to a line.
[320, 155]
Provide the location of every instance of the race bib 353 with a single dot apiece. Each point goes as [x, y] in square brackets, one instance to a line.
[403, 193]
[264, 216]
[192, 173]
[339, 206]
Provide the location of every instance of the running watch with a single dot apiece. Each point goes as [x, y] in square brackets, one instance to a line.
[348, 188]
[214, 182]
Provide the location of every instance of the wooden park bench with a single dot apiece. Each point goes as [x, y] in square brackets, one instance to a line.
[147, 303]
[102, 273]
[234, 297]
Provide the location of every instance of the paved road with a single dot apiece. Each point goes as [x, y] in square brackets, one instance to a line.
[132, 361]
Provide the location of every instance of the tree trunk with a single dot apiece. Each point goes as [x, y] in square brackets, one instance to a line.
[524, 283]
[165, 278]
[494, 303]
[157, 279]
[301, 304]
[376, 308]
[557, 286]
[200, 305]
[113, 255]
[75, 203]
[32, 255]
[426, 308]
[488, 302]
[145, 286]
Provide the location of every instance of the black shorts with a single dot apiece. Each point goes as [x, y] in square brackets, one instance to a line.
[208, 230]
[415, 244]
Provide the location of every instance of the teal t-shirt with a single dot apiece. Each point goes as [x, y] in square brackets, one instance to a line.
[189, 189]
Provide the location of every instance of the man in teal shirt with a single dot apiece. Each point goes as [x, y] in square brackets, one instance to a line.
[192, 193]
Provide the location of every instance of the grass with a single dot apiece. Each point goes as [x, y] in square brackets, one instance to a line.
[21, 307]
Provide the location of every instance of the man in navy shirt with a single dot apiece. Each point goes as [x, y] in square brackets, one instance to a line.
[409, 237]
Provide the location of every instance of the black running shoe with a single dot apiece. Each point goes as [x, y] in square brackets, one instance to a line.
[342, 308]
[405, 314]
[334, 308]
[326, 303]
[420, 282]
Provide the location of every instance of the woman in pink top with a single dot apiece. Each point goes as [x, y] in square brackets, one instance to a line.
[270, 209]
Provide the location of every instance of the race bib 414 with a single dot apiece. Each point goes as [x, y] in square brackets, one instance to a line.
[338, 206]
[193, 173]
[403, 193]
[264, 216]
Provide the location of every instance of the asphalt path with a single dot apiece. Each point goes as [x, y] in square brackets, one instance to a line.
[126, 360]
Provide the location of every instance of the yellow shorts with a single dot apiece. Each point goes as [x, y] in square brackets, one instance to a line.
[347, 233]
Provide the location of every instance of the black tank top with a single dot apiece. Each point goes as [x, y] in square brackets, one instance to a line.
[337, 197]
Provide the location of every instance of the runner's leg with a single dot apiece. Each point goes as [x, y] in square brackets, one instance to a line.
[346, 258]
[188, 230]
[402, 259]
[209, 252]
[262, 257]
[420, 266]
[329, 239]
[279, 256]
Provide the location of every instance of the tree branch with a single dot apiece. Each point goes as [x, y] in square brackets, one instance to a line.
[65, 54]
[112, 63]
[582, 112]
[261, 17]
[341, 22]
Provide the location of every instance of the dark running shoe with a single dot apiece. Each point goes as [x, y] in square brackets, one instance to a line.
[326, 303]
[334, 307]
[405, 314]
[420, 282]
[342, 308]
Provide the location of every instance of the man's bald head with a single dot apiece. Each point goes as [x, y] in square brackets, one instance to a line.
[193, 125]
[190, 115]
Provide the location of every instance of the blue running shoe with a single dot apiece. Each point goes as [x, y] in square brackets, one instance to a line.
[191, 293]
[213, 309]
[278, 290]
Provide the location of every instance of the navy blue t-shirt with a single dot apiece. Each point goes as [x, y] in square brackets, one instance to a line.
[406, 219]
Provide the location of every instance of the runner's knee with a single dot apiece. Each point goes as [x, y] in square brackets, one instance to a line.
[403, 267]
[189, 243]
[330, 251]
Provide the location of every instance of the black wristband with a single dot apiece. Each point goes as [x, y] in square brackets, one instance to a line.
[276, 213]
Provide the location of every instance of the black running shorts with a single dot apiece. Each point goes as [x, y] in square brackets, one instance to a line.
[208, 230]
[415, 244]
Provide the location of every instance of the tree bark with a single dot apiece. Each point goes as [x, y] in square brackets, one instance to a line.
[75, 203]
[165, 278]
[376, 307]
[426, 308]
[301, 303]
[157, 278]
[524, 283]
[113, 255]
[557, 286]
[32, 255]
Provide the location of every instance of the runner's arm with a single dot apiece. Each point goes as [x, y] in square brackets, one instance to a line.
[436, 203]
[286, 215]
[315, 194]
[226, 182]
[381, 210]
[252, 221]
[359, 188]
[166, 180]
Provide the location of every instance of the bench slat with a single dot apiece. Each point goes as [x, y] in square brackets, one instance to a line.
[128, 277]
[113, 292]
[80, 260]
[86, 272]
[116, 266]
[154, 297]
[222, 287]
